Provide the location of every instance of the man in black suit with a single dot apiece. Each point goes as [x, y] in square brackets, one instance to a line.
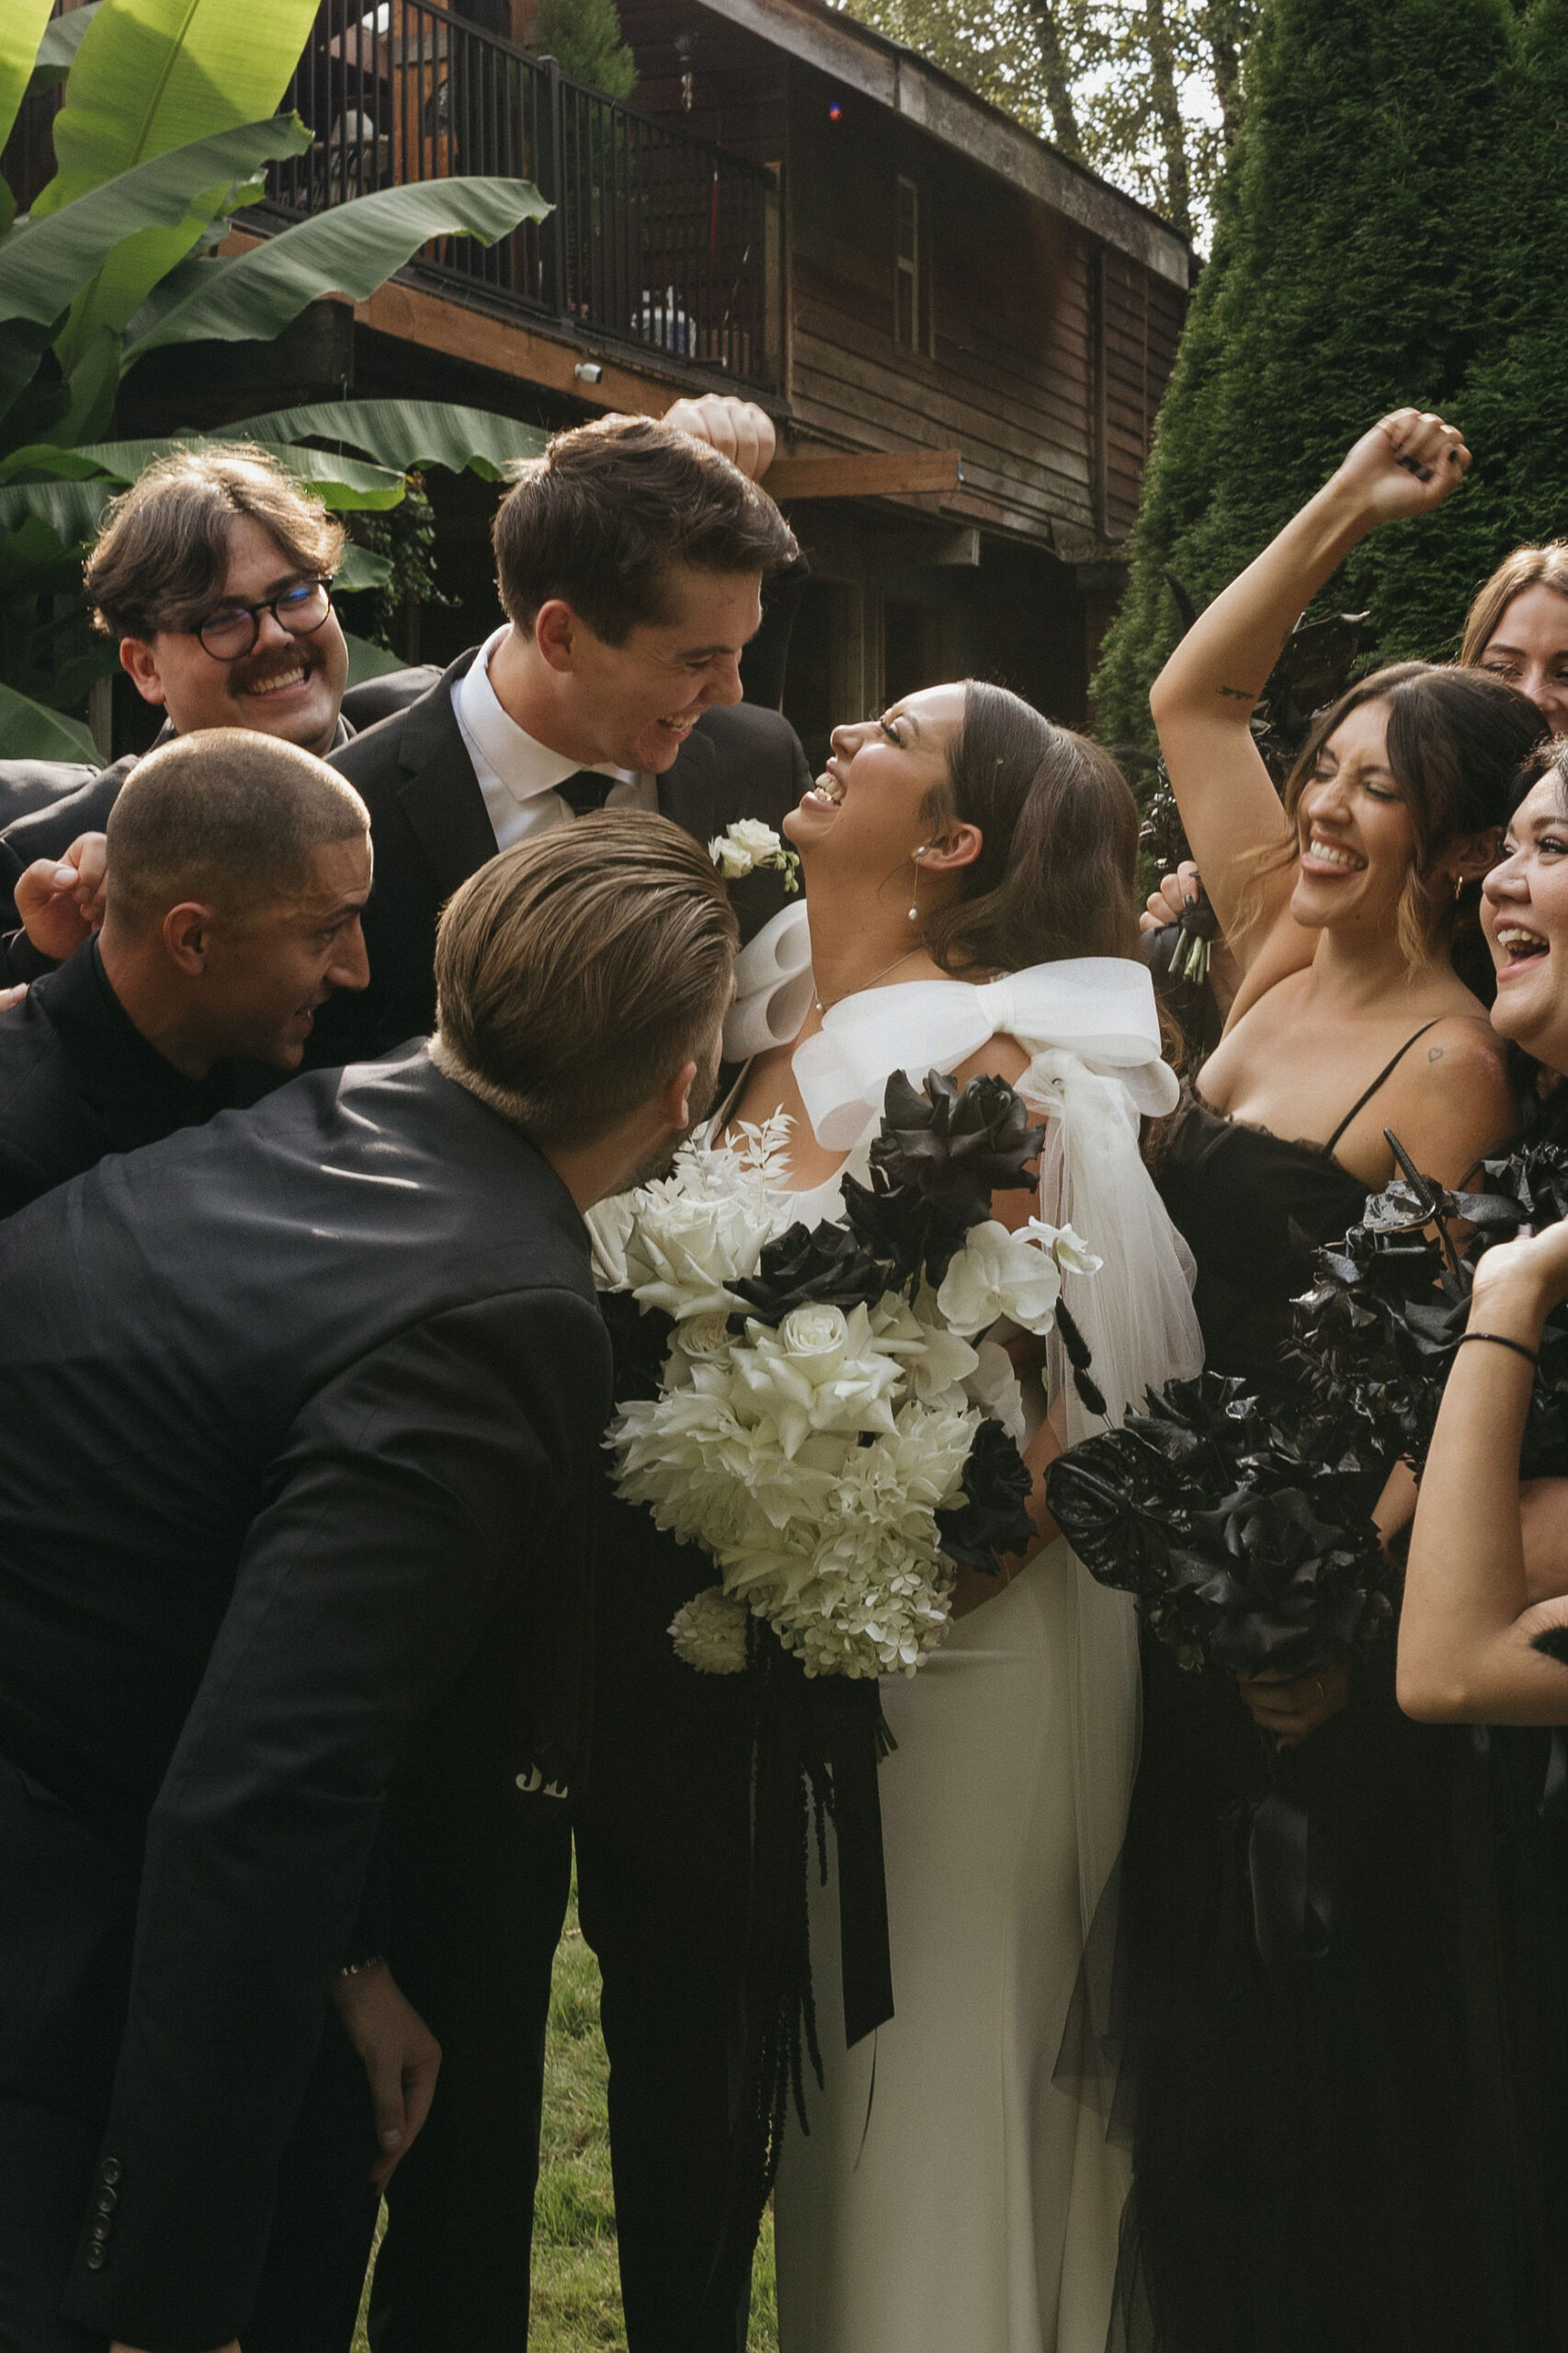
[338, 1378]
[239, 868]
[631, 562]
[211, 573]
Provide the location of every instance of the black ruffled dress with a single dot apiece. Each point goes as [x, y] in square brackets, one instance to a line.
[1340, 1962]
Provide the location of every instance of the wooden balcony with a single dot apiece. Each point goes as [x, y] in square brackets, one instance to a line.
[656, 241]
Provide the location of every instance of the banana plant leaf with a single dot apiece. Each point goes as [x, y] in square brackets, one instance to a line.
[360, 568]
[70, 508]
[57, 50]
[340, 482]
[36, 561]
[150, 77]
[28, 730]
[351, 250]
[367, 661]
[23, 24]
[406, 434]
[43, 262]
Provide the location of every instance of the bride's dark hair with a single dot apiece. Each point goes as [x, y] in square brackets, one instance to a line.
[1059, 829]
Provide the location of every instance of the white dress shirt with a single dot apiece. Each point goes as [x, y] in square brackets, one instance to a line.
[517, 775]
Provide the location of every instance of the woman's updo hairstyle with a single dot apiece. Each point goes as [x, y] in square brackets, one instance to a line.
[1059, 830]
[1456, 742]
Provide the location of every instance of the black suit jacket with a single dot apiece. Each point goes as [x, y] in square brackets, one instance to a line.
[430, 831]
[336, 1375]
[78, 1080]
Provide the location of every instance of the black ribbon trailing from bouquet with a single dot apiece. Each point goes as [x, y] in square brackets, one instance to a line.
[856, 1743]
[816, 1744]
[1277, 1881]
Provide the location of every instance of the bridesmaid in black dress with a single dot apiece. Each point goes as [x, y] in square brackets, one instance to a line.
[1318, 2122]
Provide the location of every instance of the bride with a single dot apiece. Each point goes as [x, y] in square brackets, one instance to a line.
[970, 876]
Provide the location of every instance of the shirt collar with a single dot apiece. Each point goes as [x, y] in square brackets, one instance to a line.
[517, 760]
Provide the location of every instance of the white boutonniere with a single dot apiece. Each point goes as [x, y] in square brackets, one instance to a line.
[749, 846]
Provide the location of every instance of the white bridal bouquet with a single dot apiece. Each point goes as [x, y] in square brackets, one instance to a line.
[828, 1415]
[822, 1411]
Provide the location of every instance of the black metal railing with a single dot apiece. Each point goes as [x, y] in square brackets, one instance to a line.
[654, 238]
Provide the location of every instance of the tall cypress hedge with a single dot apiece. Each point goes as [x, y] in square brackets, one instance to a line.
[1393, 227]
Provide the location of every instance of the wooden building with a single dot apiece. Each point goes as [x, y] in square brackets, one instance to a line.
[962, 336]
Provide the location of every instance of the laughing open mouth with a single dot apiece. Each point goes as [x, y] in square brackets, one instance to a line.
[1518, 943]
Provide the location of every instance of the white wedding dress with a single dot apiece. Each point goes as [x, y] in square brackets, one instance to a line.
[966, 2204]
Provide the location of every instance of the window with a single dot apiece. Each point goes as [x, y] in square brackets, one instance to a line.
[906, 277]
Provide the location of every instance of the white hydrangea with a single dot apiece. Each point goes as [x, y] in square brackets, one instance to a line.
[709, 1633]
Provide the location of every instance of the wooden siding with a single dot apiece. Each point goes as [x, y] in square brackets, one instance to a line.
[1009, 366]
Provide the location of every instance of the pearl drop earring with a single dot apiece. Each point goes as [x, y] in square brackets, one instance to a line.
[915, 889]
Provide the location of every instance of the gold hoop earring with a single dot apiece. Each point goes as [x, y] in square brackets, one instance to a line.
[914, 886]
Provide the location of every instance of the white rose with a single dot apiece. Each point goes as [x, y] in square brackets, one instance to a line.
[1070, 1250]
[934, 1361]
[760, 841]
[748, 844]
[833, 1379]
[683, 1252]
[611, 1224]
[709, 1633]
[702, 1339]
[995, 1274]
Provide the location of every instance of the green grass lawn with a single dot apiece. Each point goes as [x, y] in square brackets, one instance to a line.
[576, 2296]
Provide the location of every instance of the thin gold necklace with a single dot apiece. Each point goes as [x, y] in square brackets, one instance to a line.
[862, 986]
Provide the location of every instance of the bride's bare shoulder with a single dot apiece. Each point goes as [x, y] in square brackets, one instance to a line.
[1000, 1057]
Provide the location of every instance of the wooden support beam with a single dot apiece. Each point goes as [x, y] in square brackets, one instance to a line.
[863, 474]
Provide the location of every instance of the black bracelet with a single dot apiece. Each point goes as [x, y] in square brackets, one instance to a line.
[1500, 1340]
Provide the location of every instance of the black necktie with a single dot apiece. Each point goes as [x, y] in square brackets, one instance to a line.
[587, 789]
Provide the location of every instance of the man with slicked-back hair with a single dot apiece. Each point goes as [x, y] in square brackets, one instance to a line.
[302, 1409]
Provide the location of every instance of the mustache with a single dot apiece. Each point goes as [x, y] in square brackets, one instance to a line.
[252, 669]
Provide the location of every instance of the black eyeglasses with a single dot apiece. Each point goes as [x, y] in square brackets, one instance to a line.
[233, 631]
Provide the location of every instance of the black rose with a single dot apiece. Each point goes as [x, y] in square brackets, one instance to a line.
[1266, 1585]
[822, 1266]
[953, 1147]
[917, 1236]
[992, 1517]
[640, 1341]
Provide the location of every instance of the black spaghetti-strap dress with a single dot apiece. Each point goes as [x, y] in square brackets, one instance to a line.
[1322, 2142]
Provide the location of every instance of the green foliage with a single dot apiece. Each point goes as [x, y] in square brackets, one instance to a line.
[404, 540]
[1142, 91]
[155, 152]
[1396, 178]
[584, 37]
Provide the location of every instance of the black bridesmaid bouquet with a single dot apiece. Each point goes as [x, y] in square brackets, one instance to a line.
[1247, 1540]
[1377, 1333]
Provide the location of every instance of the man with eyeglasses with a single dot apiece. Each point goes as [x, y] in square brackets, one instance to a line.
[214, 573]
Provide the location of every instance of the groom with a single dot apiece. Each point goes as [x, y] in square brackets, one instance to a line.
[339, 1371]
[631, 562]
